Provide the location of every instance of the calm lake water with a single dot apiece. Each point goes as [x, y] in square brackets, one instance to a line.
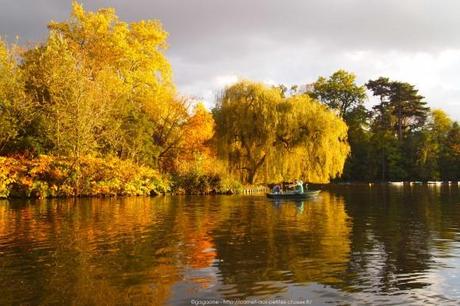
[352, 245]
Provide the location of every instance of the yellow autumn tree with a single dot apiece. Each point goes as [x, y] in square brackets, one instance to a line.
[112, 75]
[196, 150]
[311, 142]
[266, 137]
[245, 116]
[16, 111]
[72, 104]
[199, 129]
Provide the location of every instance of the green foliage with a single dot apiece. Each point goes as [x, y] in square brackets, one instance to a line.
[359, 163]
[424, 148]
[400, 108]
[339, 92]
[450, 154]
[393, 141]
[398, 140]
[424, 151]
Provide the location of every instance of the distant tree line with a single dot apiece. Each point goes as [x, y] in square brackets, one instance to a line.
[400, 138]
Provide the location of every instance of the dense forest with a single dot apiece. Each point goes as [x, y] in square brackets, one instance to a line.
[93, 110]
[400, 138]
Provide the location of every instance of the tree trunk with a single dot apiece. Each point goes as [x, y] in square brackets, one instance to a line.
[253, 171]
[399, 125]
[383, 164]
[251, 176]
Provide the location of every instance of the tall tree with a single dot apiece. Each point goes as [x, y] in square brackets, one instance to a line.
[430, 146]
[396, 126]
[67, 97]
[357, 166]
[169, 123]
[439, 124]
[339, 92]
[450, 154]
[311, 142]
[196, 151]
[263, 134]
[245, 118]
[400, 105]
[16, 110]
[115, 71]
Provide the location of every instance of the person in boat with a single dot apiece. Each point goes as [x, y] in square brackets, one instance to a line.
[276, 189]
[302, 188]
[298, 186]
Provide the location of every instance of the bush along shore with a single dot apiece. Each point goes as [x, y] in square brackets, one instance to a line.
[49, 176]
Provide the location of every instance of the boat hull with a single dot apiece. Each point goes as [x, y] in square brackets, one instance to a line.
[294, 196]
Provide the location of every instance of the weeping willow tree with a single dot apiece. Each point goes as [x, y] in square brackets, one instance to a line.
[245, 115]
[266, 137]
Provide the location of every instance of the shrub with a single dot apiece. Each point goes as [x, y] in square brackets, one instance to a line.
[194, 182]
[50, 176]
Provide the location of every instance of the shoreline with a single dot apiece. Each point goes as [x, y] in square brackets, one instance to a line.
[249, 190]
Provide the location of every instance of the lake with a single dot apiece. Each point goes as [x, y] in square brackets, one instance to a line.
[354, 244]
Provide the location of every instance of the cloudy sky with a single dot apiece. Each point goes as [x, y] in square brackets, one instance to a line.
[214, 42]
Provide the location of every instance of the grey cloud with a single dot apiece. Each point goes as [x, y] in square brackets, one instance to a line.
[287, 41]
[410, 24]
[28, 19]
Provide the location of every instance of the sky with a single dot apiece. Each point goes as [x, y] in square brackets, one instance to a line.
[213, 43]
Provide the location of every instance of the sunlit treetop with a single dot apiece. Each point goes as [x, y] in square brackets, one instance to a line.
[133, 50]
[339, 92]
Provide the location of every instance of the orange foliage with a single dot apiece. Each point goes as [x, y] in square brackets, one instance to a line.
[196, 151]
[199, 130]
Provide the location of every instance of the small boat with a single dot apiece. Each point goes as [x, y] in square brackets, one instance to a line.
[293, 195]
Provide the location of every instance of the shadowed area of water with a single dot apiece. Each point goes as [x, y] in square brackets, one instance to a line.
[354, 244]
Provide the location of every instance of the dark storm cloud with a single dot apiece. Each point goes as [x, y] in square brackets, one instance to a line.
[409, 24]
[363, 24]
[290, 41]
[28, 19]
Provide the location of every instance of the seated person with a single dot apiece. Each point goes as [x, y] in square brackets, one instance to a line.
[276, 189]
[299, 186]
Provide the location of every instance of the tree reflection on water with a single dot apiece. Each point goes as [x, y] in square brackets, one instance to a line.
[367, 243]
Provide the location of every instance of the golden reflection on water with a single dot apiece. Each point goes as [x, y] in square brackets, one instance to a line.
[289, 241]
[134, 250]
[164, 250]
